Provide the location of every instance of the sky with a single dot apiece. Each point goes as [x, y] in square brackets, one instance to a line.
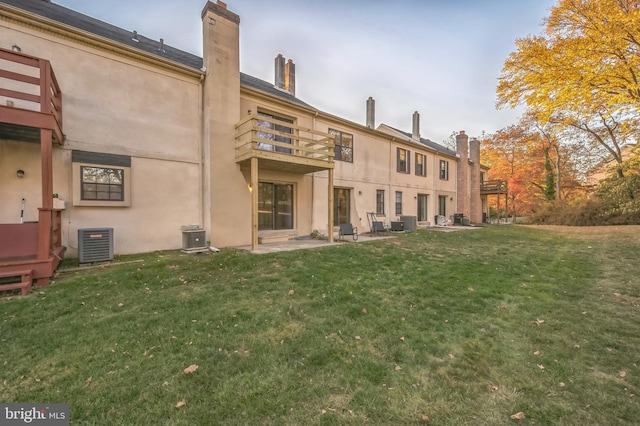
[441, 58]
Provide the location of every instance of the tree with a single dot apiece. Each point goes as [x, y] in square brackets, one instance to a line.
[583, 71]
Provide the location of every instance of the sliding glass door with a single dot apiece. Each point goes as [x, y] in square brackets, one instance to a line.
[275, 206]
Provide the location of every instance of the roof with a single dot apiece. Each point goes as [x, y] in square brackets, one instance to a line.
[429, 143]
[75, 19]
[95, 26]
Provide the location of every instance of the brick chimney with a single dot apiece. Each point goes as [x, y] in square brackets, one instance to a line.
[463, 195]
[279, 63]
[290, 77]
[371, 113]
[416, 126]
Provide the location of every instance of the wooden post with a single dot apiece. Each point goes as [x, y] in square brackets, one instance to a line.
[330, 217]
[44, 216]
[254, 203]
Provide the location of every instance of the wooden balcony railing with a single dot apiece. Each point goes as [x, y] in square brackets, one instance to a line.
[281, 145]
[493, 187]
[31, 95]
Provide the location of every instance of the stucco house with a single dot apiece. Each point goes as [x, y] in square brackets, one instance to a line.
[140, 137]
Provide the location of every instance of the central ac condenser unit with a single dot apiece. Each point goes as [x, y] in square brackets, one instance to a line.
[194, 240]
[95, 245]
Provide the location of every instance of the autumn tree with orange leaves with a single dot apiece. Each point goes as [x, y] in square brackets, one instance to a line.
[583, 72]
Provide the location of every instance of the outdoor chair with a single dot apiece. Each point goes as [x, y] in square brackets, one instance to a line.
[348, 229]
[378, 227]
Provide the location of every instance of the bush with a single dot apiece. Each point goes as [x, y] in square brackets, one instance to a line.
[615, 202]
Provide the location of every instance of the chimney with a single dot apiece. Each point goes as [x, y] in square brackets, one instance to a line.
[416, 126]
[161, 45]
[280, 71]
[371, 113]
[290, 77]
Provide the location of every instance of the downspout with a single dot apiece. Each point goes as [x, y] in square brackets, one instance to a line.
[201, 153]
[391, 196]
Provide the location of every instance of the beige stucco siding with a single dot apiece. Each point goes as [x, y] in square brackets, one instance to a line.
[114, 105]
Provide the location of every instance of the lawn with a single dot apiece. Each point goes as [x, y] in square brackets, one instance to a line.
[431, 327]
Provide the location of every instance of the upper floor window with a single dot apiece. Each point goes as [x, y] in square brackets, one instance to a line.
[421, 164]
[273, 131]
[343, 150]
[403, 160]
[444, 170]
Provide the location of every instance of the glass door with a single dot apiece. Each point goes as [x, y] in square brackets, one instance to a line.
[341, 210]
[422, 207]
[275, 206]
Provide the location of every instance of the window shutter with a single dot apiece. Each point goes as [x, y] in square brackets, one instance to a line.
[408, 161]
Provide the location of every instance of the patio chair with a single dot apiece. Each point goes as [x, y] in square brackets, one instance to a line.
[348, 229]
[378, 227]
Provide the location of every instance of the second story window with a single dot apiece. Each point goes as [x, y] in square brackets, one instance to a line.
[273, 131]
[403, 161]
[444, 170]
[421, 164]
[343, 146]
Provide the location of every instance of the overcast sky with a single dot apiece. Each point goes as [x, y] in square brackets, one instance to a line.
[438, 57]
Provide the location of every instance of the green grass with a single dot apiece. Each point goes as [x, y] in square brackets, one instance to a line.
[427, 324]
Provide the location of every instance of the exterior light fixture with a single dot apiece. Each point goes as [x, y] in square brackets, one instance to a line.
[20, 173]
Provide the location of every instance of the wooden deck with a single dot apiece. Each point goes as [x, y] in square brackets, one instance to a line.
[32, 113]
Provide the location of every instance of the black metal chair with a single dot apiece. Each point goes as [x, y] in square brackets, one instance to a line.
[348, 229]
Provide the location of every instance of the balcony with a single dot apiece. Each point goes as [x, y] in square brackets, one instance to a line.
[31, 111]
[491, 187]
[283, 146]
[30, 98]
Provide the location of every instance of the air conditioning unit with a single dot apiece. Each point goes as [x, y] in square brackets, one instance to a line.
[95, 245]
[194, 240]
[410, 223]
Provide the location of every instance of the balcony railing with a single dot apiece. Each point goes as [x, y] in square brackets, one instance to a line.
[31, 95]
[281, 145]
[493, 187]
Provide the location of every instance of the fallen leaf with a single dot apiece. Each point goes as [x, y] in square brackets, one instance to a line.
[181, 403]
[537, 353]
[494, 388]
[324, 411]
[470, 289]
[402, 338]
[452, 356]
[616, 294]
[425, 418]
[398, 368]
[364, 310]
[518, 416]
[89, 380]
[190, 369]
[291, 292]
[120, 305]
[622, 373]
[561, 384]
[541, 367]
[537, 321]
[357, 337]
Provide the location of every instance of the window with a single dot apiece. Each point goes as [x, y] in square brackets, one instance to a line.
[272, 131]
[343, 150]
[403, 162]
[398, 202]
[380, 201]
[444, 170]
[421, 164]
[101, 180]
[99, 183]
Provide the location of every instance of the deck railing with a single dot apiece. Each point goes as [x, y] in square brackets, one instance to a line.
[496, 186]
[284, 143]
[31, 85]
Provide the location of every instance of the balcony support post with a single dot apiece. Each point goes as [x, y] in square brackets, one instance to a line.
[254, 203]
[330, 212]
